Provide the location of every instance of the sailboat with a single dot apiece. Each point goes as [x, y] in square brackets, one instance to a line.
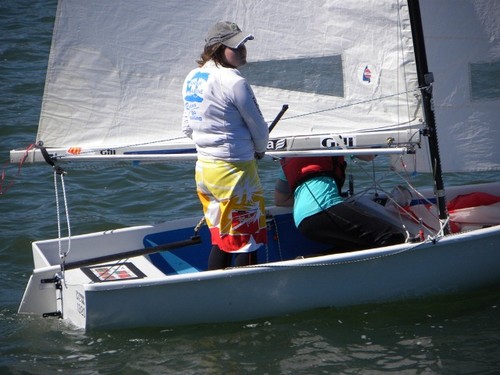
[347, 78]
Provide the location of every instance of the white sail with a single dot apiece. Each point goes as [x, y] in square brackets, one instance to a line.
[116, 83]
[462, 40]
[114, 86]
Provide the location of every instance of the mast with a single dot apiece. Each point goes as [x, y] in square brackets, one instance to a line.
[425, 81]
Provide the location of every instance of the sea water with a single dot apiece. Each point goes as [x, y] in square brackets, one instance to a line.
[452, 335]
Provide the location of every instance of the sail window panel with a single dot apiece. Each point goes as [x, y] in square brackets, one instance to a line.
[316, 75]
[485, 81]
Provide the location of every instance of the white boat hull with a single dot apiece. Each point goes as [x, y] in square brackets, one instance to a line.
[171, 288]
[455, 264]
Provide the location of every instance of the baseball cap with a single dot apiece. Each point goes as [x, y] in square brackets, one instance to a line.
[227, 33]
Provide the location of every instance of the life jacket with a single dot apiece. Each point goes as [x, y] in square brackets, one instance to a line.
[298, 170]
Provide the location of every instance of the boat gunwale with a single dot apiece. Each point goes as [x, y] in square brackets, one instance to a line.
[337, 259]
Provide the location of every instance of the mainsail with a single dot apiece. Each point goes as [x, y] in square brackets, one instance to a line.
[116, 69]
[346, 69]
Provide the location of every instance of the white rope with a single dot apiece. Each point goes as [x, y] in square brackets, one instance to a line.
[401, 211]
[62, 255]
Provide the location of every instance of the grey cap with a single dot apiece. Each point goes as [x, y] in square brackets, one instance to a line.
[227, 33]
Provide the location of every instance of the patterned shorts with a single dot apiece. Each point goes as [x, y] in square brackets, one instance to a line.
[233, 204]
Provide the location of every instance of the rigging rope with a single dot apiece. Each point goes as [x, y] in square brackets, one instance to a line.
[440, 227]
[402, 210]
[62, 255]
[353, 104]
[58, 171]
[3, 190]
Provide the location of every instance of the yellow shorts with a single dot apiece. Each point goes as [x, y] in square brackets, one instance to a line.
[233, 203]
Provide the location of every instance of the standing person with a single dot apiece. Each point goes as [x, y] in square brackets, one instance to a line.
[222, 117]
[321, 214]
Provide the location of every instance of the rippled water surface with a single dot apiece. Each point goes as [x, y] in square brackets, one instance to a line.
[453, 335]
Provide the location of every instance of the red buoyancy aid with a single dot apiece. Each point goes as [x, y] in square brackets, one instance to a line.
[298, 170]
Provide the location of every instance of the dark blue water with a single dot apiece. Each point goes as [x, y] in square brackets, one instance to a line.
[453, 335]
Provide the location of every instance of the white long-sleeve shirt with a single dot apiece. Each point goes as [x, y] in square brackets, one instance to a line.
[221, 114]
